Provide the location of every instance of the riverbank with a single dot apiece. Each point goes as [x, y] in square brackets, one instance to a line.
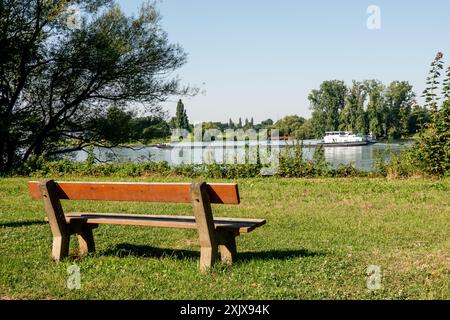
[321, 236]
[364, 158]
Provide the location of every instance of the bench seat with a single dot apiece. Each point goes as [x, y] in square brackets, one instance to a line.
[163, 221]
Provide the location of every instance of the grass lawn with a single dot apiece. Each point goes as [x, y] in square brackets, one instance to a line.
[321, 236]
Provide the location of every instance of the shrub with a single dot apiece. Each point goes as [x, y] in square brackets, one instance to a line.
[431, 154]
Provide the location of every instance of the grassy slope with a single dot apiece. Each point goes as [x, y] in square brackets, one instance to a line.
[320, 238]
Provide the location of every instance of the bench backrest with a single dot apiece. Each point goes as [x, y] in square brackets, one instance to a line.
[200, 194]
[224, 193]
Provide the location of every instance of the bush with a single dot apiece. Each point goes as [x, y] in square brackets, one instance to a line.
[403, 165]
[431, 154]
[433, 147]
[290, 166]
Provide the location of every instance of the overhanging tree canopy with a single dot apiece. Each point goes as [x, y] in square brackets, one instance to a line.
[55, 82]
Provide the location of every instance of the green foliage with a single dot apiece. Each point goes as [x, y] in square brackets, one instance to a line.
[376, 111]
[115, 126]
[419, 117]
[57, 81]
[446, 86]
[433, 144]
[248, 125]
[368, 106]
[399, 101]
[291, 164]
[326, 104]
[181, 120]
[231, 124]
[404, 165]
[267, 123]
[119, 126]
[431, 154]
[319, 160]
[291, 126]
[148, 128]
[430, 94]
[353, 118]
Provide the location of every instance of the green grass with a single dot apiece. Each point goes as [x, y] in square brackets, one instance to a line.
[321, 236]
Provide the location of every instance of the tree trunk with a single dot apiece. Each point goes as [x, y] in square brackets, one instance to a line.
[2, 153]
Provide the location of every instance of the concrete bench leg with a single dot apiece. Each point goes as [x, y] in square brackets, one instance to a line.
[60, 249]
[208, 256]
[86, 240]
[205, 225]
[227, 247]
[56, 219]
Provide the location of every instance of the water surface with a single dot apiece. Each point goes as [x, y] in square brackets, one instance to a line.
[361, 157]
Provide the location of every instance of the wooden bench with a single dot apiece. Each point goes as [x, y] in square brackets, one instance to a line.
[215, 234]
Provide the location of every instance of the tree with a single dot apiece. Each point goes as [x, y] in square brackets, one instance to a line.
[115, 127]
[56, 81]
[431, 153]
[185, 122]
[352, 117]
[430, 94]
[326, 105]
[446, 86]
[376, 108]
[305, 131]
[267, 123]
[180, 121]
[150, 127]
[432, 150]
[399, 98]
[207, 126]
[418, 118]
[231, 124]
[179, 115]
[290, 126]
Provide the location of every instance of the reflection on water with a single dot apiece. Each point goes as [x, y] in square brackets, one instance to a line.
[362, 157]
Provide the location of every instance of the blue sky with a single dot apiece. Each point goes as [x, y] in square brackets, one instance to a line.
[260, 58]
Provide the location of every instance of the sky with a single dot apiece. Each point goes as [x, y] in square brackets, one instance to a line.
[261, 59]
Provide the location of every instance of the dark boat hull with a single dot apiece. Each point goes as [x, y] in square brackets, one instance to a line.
[347, 144]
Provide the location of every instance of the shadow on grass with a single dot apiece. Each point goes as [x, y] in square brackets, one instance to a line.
[125, 249]
[19, 224]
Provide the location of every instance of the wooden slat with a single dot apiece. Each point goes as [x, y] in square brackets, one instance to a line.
[163, 221]
[226, 193]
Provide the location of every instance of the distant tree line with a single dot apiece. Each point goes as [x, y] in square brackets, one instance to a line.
[368, 106]
[365, 107]
[247, 124]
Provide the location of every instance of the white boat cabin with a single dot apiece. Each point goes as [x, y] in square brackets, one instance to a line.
[342, 137]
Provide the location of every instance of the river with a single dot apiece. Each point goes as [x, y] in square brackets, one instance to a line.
[361, 157]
